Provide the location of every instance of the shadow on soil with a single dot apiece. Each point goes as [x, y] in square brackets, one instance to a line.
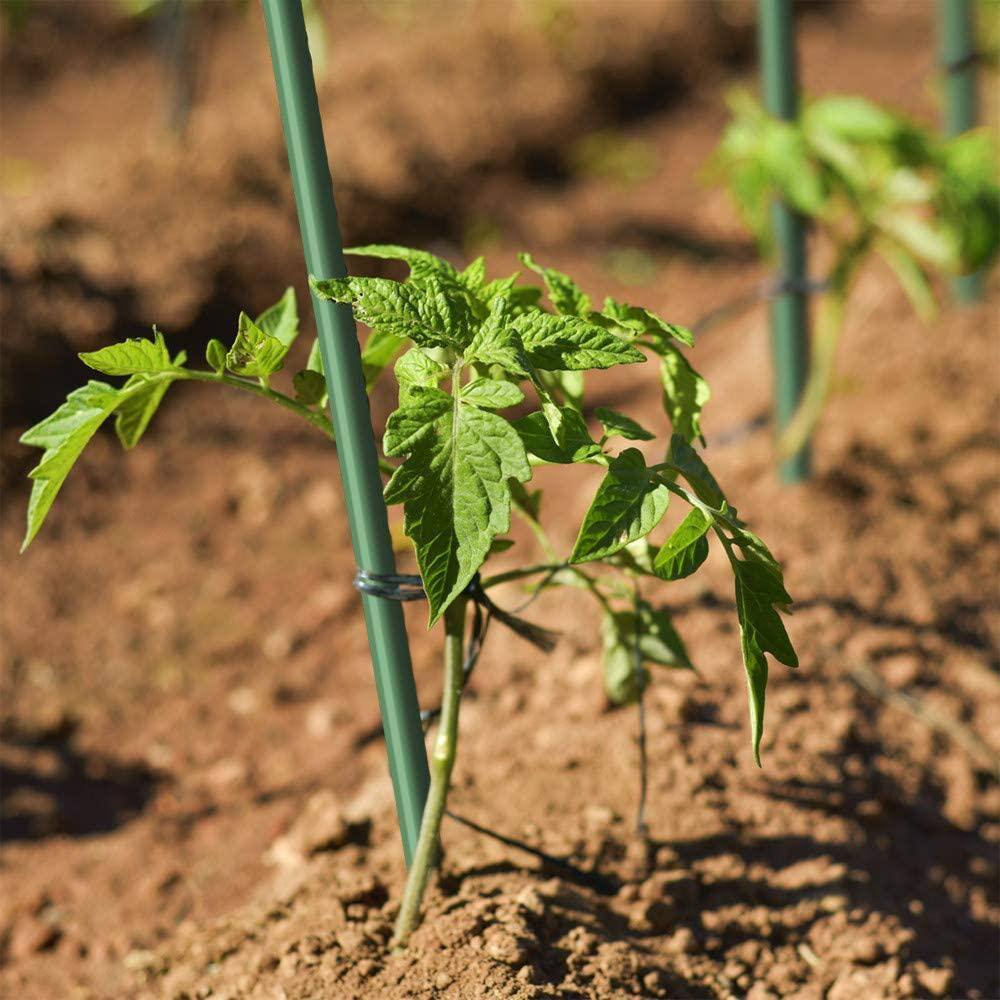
[48, 787]
[906, 859]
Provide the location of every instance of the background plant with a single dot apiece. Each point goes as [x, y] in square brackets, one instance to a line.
[872, 183]
[491, 385]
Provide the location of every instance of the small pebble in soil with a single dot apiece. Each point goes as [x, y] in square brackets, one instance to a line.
[937, 982]
[366, 967]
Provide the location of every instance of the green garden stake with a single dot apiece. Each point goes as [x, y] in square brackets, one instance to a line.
[789, 310]
[957, 47]
[366, 511]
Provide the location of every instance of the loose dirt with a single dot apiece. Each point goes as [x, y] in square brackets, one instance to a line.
[195, 801]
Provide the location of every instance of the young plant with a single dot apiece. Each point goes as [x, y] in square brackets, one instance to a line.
[491, 385]
[872, 183]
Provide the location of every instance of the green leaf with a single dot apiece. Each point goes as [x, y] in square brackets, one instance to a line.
[520, 298]
[491, 394]
[310, 386]
[379, 350]
[425, 313]
[454, 486]
[623, 682]
[686, 549]
[496, 342]
[315, 364]
[63, 435]
[628, 505]
[616, 424]
[422, 264]
[911, 276]
[528, 502]
[852, 118]
[215, 355]
[637, 321]
[658, 643]
[140, 399]
[255, 353]
[696, 472]
[415, 420]
[565, 386]
[761, 631]
[685, 393]
[281, 320]
[566, 343]
[131, 357]
[576, 445]
[564, 293]
[474, 275]
[417, 368]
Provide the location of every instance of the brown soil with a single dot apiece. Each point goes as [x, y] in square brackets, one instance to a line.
[195, 801]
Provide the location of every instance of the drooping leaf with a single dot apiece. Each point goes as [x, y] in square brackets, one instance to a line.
[629, 504]
[140, 399]
[685, 393]
[624, 678]
[281, 320]
[454, 486]
[63, 435]
[131, 357]
[658, 643]
[616, 424]
[576, 446]
[564, 293]
[761, 631]
[695, 471]
[686, 549]
[567, 343]
[255, 353]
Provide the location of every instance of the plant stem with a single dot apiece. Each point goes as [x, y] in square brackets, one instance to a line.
[319, 420]
[441, 763]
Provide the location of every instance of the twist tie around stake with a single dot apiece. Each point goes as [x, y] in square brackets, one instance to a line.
[784, 285]
[961, 65]
[409, 587]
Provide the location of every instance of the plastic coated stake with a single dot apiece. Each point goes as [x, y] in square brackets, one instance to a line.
[366, 512]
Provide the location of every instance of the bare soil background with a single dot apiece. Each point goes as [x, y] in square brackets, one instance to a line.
[194, 792]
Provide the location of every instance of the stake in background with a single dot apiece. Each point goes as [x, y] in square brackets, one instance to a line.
[366, 511]
[789, 309]
[958, 55]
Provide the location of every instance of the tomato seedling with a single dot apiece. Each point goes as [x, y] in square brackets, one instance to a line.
[467, 351]
[873, 183]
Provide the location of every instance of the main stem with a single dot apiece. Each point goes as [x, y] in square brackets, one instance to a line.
[442, 760]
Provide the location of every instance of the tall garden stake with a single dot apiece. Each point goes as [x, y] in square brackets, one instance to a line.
[789, 309]
[366, 511]
[957, 47]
